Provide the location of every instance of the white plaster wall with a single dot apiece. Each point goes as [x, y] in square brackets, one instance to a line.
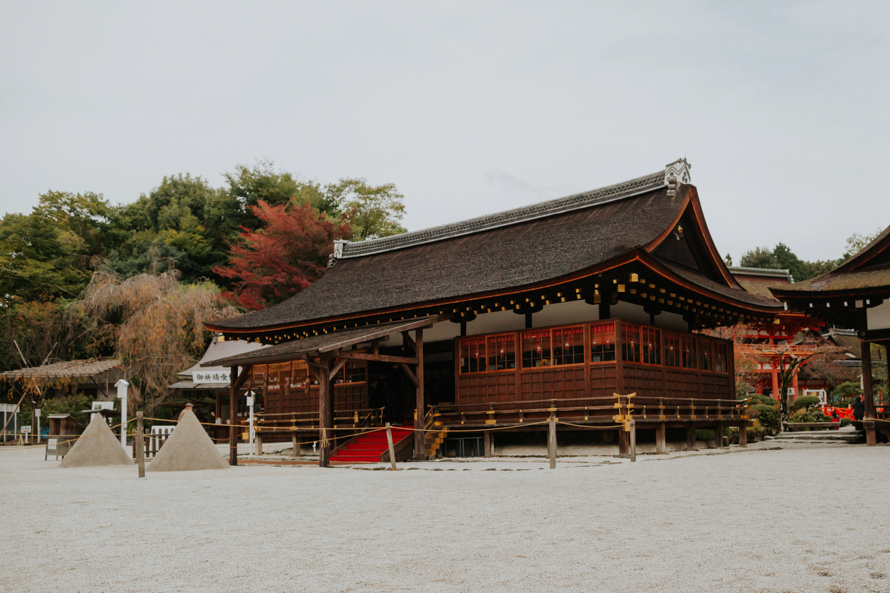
[564, 314]
[629, 312]
[878, 317]
[496, 321]
[672, 321]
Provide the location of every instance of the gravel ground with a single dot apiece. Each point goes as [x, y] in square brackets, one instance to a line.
[798, 518]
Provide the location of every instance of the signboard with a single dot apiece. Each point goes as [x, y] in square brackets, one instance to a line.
[199, 377]
[26, 428]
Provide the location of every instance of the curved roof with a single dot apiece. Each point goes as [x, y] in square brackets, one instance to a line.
[506, 252]
[841, 295]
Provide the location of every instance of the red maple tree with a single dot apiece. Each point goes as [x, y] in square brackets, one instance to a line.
[287, 253]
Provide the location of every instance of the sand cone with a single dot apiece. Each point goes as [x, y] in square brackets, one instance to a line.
[188, 448]
[97, 445]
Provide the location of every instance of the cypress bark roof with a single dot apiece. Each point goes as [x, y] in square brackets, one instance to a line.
[842, 295]
[868, 270]
[506, 252]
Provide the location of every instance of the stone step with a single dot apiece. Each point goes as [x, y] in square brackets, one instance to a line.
[819, 437]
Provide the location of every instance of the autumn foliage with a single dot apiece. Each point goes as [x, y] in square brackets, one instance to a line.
[156, 324]
[286, 254]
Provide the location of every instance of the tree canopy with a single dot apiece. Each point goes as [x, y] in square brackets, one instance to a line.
[284, 256]
[782, 258]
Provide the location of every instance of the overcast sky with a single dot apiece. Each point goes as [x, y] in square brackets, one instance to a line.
[468, 107]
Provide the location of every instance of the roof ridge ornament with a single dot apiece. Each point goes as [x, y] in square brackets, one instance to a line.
[676, 173]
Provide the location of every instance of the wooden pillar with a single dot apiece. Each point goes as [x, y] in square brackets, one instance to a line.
[605, 308]
[528, 321]
[623, 449]
[871, 437]
[488, 444]
[296, 445]
[743, 435]
[325, 409]
[139, 443]
[551, 440]
[258, 444]
[661, 438]
[690, 436]
[420, 400]
[233, 411]
[718, 435]
[632, 438]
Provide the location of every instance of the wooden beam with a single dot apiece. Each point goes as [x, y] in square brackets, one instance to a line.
[408, 341]
[355, 355]
[411, 376]
[337, 368]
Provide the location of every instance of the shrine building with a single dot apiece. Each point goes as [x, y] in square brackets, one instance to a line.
[582, 310]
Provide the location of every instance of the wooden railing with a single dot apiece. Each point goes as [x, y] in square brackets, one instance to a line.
[269, 424]
[593, 411]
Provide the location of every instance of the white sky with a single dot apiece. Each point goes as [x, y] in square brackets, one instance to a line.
[468, 107]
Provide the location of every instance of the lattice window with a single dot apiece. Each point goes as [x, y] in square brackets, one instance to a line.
[354, 371]
[602, 342]
[720, 357]
[472, 355]
[568, 345]
[688, 352]
[536, 349]
[501, 352]
[707, 357]
[671, 343]
[650, 345]
[630, 343]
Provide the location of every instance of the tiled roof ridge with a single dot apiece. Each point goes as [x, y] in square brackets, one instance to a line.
[618, 191]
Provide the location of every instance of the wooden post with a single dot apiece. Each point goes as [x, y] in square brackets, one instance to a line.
[718, 435]
[623, 450]
[661, 438]
[233, 410]
[868, 395]
[392, 450]
[487, 443]
[140, 444]
[297, 451]
[325, 411]
[743, 435]
[551, 440]
[690, 436]
[258, 442]
[632, 436]
[420, 403]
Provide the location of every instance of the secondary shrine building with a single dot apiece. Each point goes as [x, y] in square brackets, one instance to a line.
[581, 310]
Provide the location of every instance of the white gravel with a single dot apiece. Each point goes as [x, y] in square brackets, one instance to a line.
[802, 518]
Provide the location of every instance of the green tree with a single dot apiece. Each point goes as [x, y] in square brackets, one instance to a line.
[857, 242]
[372, 211]
[782, 258]
[36, 261]
[183, 219]
[759, 257]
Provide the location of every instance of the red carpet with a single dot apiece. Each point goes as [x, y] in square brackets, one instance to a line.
[370, 447]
